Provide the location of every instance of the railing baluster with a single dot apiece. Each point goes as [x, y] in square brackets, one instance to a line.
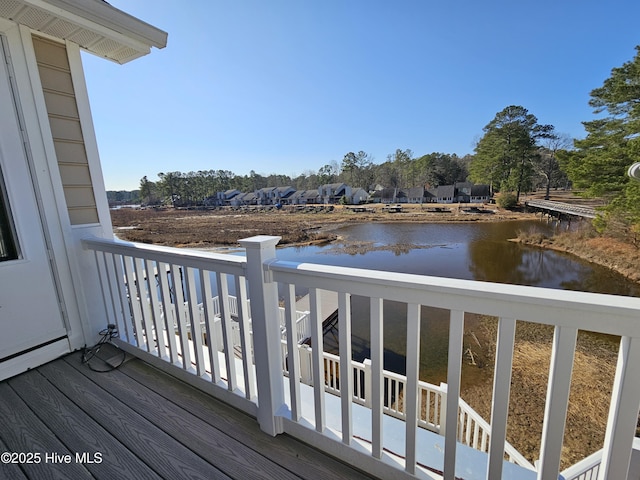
[411, 386]
[245, 337]
[293, 354]
[103, 280]
[476, 434]
[555, 414]
[209, 321]
[335, 379]
[454, 372]
[194, 320]
[623, 412]
[178, 293]
[168, 311]
[155, 307]
[134, 301]
[123, 301]
[317, 358]
[227, 334]
[346, 370]
[141, 287]
[501, 390]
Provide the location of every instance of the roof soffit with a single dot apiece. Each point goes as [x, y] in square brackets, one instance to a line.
[95, 25]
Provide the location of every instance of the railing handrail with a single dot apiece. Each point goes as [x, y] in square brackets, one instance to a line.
[231, 264]
[533, 304]
[585, 469]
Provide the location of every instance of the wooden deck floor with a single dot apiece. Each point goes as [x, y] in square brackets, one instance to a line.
[139, 423]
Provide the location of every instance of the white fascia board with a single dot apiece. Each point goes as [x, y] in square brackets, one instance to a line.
[102, 18]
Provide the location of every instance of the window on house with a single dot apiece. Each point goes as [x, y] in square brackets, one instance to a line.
[8, 245]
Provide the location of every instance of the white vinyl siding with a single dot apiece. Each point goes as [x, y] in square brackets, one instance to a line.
[64, 120]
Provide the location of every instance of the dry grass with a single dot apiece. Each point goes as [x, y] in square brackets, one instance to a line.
[224, 226]
[593, 372]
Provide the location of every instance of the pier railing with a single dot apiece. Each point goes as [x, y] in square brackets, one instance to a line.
[135, 278]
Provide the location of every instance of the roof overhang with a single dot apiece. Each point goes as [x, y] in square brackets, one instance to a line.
[95, 25]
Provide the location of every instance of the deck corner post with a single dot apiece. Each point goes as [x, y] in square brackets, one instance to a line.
[263, 292]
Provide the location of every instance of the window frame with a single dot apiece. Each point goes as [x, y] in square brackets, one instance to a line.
[9, 245]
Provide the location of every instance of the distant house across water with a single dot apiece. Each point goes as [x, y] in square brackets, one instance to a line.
[333, 193]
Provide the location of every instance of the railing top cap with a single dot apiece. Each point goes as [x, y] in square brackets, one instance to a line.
[260, 241]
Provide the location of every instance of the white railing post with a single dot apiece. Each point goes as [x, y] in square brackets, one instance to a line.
[623, 413]
[366, 391]
[305, 364]
[265, 319]
[442, 414]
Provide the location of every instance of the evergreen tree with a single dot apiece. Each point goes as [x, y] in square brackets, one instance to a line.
[612, 144]
[506, 154]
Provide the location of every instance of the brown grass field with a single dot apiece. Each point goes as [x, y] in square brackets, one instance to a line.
[225, 226]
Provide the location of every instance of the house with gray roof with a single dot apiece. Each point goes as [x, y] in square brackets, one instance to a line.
[446, 194]
[305, 197]
[333, 192]
[225, 198]
[480, 193]
[250, 198]
[359, 196]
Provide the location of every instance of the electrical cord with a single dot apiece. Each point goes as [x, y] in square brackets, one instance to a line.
[105, 355]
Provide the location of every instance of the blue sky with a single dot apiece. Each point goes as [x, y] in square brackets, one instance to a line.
[287, 86]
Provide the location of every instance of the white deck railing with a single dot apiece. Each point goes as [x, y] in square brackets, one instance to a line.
[472, 429]
[179, 276]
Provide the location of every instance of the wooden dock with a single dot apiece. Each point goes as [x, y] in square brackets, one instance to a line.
[561, 208]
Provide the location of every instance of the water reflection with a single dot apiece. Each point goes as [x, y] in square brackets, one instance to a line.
[466, 251]
[479, 251]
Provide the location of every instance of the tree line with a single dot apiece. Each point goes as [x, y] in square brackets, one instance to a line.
[401, 169]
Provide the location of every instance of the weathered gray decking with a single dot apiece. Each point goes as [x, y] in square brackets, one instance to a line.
[146, 425]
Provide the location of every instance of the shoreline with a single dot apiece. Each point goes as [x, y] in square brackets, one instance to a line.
[613, 254]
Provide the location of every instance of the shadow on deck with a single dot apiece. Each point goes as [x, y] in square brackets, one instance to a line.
[137, 422]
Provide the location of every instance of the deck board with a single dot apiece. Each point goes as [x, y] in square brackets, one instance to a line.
[215, 446]
[165, 455]
[9, 471]
[147, 425]
[79, 432]
[23, 432]
[303, 460]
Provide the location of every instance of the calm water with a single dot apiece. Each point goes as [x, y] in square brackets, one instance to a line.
[465, 251]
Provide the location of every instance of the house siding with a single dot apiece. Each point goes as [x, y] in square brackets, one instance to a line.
[64, 121]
